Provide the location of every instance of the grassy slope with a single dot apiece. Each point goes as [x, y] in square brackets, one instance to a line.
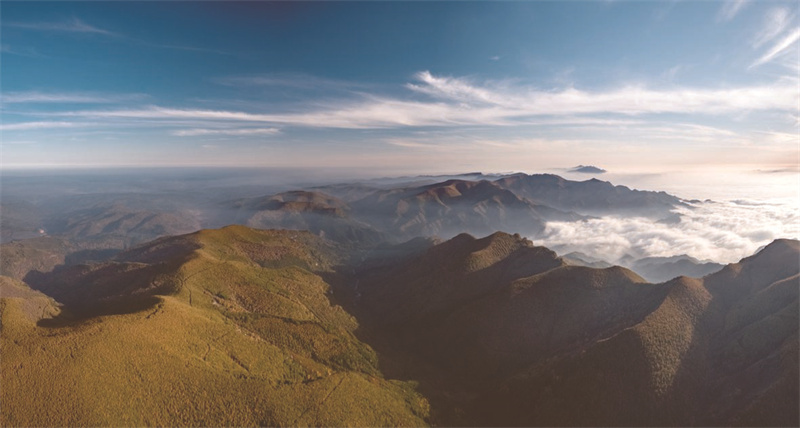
[246, 336]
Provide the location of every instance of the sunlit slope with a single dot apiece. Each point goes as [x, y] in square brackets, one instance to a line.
[722, 350]
[222, 327]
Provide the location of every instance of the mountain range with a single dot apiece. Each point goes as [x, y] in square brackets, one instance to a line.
[69, 227]
[239, 326]
[386, 302]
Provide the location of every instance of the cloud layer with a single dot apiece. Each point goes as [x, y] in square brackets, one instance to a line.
[723, 232]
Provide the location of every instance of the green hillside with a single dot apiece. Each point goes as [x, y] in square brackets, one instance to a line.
[225, 327]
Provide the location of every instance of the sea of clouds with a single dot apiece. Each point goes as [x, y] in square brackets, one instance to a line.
[723, 232]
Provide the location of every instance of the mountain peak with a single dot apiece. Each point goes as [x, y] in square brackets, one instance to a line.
[588, 169]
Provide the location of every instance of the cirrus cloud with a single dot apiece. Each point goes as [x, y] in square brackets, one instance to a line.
[457, 101]
[230, 132]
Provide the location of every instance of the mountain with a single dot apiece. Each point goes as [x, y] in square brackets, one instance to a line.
[588, 169]
[239, 326]
[219, 327]
[91, 234]
[722, 350]
[451, 207]
[472, 312]
[20, 219]
[590, 197]
[18, 258]
[322, 214]
[660, 269]
[580, 259]
[502, 333]
[116, 225]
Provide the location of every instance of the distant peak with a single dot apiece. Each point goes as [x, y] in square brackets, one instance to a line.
[463, 237]
[588, 169]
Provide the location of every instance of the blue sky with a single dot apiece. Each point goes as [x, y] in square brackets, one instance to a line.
[402, 86]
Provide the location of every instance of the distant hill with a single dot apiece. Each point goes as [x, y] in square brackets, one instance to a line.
[591, 197]
[115, 225]
[588, 169]
[660, 269]
[91, 234]
[580, 259]
[324, 215]
[19, 219]
[372, 214]
[451, 207]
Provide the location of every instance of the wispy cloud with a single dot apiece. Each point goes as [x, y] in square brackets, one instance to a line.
[781, 47]
[72, 26]
[190, 49]
[455, 101]
[76, 25]
[26, 126]
[26, 51]
[230, 132]
[68, 97]
[522, 101]
[290, 80]
[730, 8]
[775, 21]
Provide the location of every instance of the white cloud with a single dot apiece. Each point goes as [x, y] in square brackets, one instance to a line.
[632, 100]
[775, 21]
[45, 97]
[292, 80]
[76, 25]
[231, 132]
[457, 102]
[731, 8]
[25, 126]
[724, 232]
[73, 26]
[25, 51]
[779, 48]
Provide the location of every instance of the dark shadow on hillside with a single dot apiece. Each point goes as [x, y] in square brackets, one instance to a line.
[737, 370]
[72, 315]
[92, 290]
[394, 361]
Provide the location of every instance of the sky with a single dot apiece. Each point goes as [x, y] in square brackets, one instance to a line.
[402, 86]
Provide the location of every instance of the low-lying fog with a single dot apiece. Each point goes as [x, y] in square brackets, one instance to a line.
[732, 215]
[722, 232]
